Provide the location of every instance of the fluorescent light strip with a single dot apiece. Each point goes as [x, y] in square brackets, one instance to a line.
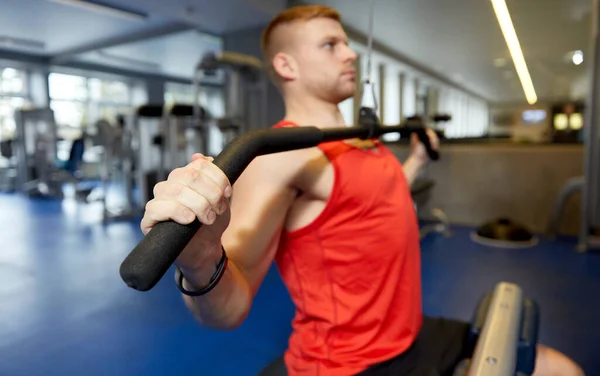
[510, 35]
[100, 8]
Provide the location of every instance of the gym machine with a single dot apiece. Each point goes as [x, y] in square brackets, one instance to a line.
[590, 203]
[143, 150]
[116, 170]
[503, 335]
[36, 151]
[244, 92]
[589, 183]
[8, 166]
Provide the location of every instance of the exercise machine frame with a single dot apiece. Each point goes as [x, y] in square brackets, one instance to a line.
[590, 198]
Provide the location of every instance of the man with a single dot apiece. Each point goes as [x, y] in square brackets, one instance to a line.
[338, 219]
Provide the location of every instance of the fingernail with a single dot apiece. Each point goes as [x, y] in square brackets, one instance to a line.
[188, 214]
[210, 159]
[228, 191]
[212, 216]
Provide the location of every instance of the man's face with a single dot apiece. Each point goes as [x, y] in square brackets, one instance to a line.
[325, 63]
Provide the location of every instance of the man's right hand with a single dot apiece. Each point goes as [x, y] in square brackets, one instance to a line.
[199, 190]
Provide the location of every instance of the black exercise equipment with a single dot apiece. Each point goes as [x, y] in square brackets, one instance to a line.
[153, 256]
[504, 232]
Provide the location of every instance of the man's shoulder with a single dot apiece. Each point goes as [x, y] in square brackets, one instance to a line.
[283, 167]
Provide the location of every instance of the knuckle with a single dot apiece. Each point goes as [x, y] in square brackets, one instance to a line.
[192, 175]
[175, 191]
[149, 205]
[200, 163]
[173, 175]
[159, 188]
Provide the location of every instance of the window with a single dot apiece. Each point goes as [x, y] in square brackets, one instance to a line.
[211, 98]
[178, 93]
[14, 94]
[79, 100]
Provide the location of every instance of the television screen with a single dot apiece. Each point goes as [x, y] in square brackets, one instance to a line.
[533, 116]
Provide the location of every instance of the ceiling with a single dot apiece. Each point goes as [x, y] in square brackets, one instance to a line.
[170, 41]
[458, 39]
[461, 40]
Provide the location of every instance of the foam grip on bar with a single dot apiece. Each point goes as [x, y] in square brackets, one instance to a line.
[527, 350]
[158, 250]
[143, 268]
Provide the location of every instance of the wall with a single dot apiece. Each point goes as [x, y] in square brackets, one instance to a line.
[506, 120]
[476, 183]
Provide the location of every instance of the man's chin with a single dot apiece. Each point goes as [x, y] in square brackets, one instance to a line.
[345, 94]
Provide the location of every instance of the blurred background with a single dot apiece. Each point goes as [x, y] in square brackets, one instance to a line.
[100, 99]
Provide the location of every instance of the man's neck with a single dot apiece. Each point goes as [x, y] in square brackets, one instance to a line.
[313, 112]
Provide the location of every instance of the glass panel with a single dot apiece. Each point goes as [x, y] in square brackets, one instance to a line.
[7, 117]
[13, 81]
[212, 99]
[107, 112]
[63, 86]
[108, 91]
[69, 114]
[179, 93]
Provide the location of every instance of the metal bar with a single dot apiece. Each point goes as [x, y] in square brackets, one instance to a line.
[591, 121]
[593, 132]
[496, 350]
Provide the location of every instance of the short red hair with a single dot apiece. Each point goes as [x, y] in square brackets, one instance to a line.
[290, 15]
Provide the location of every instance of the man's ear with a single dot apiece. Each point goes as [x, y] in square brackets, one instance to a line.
[285, 66]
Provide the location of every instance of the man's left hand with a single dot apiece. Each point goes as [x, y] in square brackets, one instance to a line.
[418, 151]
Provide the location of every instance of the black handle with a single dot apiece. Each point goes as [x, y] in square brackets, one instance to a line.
[424, 138]
[368, 118]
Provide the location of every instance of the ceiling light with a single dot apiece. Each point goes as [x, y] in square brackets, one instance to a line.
[561, 122]
[577, 57]
[510, 36]
[104, 9]
[576, 121]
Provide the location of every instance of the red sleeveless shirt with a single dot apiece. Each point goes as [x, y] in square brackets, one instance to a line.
[354, 274]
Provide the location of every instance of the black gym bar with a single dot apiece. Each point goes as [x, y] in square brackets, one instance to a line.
[158, 250]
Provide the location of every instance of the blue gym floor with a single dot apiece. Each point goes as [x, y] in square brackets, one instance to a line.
[65, 311]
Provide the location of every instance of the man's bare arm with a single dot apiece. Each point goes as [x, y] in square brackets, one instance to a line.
[261, 199]
[412, 168]
[418, 157]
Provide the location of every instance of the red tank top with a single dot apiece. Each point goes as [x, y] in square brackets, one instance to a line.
[354, 274]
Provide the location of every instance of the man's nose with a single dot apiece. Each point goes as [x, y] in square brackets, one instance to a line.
[350, 55]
